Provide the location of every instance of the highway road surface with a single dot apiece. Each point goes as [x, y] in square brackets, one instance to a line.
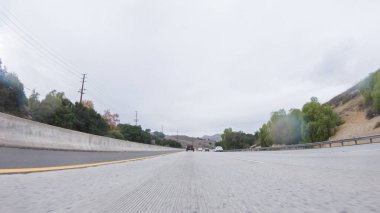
[345, 179]
[31, 158]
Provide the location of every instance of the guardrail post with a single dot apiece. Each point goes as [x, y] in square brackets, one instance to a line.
[330, 144]
[342, 143]
[356, 142]
[370, 140]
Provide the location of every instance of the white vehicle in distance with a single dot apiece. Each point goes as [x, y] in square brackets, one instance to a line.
[218, 149]
[200, 149]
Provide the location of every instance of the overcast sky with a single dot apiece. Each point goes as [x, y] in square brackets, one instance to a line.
[198, 66]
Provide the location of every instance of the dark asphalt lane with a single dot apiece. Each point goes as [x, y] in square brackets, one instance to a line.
[12, 158]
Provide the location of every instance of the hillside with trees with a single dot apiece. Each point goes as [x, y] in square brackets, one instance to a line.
[314, 122]
[57, 110]
[359, 107]
[354, 113]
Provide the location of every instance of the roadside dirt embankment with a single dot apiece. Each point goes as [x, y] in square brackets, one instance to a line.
[356, 124]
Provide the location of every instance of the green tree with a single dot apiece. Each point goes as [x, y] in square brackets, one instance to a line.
[295, 126]
[88, 120]
[279, 129]
[55, 109]
[218, 143]
[278, 115]
[169, 143]
[319, 122]
[286, 128]
[265, 135]
[370, 89]
[375, 93]
[236, 140]
[112, 119]
[227, 138]
[159, 134]
[135, 133]
[33, 102]
[115, 133]
[13, 99]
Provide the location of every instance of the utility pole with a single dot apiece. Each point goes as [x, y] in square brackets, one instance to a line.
[136, 119]
[81, 91]
[177, 135]
[162, 129]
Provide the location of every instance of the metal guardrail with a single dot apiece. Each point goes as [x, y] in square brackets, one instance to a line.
[313, 145]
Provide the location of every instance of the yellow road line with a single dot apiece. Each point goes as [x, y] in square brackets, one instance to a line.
[53, 168]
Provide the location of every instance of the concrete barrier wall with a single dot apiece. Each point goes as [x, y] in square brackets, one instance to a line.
[19, 132]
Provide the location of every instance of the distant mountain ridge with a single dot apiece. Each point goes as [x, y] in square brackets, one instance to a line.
[216, 137]
[344, 97]
[204, 142]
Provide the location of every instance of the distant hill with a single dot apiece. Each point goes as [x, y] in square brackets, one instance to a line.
[350, 105]
[204, 142]
[345, 97]
[216, 137]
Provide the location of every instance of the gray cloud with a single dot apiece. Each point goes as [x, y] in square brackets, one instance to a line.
[198, 66]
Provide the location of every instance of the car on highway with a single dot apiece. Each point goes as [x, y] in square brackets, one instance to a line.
[207, 149]
[189, 147]
[218, 149]
[200, 149]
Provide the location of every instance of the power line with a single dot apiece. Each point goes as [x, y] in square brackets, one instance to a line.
[46, 53]
[30, 37]
[27, 37]
[51, 66]
[31, 42]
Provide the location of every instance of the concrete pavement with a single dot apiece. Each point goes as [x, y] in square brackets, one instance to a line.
[343, 179]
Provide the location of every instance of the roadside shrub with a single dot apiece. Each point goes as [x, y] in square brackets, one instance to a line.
[371, 114]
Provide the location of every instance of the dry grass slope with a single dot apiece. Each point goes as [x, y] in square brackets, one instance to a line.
[354, 115]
